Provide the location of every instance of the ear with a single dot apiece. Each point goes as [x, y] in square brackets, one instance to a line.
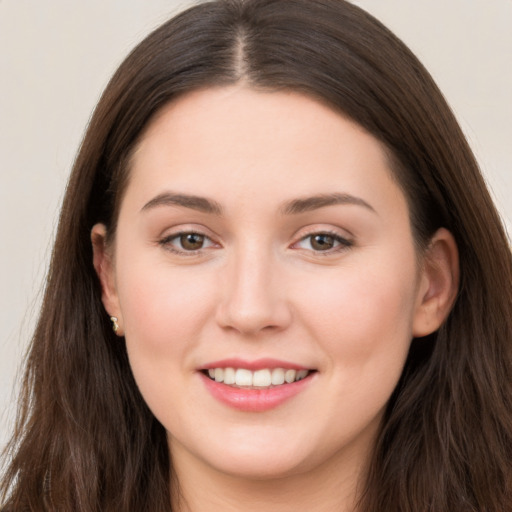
[103, 264]
[439, 284]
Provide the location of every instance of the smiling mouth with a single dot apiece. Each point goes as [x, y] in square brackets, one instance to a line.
[258, 379]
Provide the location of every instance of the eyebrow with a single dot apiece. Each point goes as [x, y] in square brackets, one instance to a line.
[294, 207]
[201, 204]
[308, 204]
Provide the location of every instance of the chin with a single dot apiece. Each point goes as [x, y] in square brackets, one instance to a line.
[251, 454]
[260, 468]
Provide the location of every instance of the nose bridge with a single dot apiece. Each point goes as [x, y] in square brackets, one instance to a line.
[253, 297]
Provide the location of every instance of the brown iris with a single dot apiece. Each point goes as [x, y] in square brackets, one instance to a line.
[322, 242]
[191, 241]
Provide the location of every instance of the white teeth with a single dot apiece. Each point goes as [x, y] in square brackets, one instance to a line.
[257, 379]
[229, 376]
[289, 376]
[243, 377]
[262, 378]
[277, 376]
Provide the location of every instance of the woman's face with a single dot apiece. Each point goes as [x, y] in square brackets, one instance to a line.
[262, 239]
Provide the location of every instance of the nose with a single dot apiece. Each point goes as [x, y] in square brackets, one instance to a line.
[253, 295]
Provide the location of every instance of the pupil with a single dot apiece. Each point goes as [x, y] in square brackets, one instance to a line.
[191, 241]
[322, 242]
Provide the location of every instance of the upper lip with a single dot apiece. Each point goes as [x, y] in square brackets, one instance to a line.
[257, 364]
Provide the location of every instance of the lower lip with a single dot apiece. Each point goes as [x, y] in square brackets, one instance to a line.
[254, 400]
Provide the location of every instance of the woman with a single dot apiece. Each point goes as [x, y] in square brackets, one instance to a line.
[278, 282]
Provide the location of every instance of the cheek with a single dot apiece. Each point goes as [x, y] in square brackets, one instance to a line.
[364, 328]
[163, 314]
[160, 306]
[364, 322]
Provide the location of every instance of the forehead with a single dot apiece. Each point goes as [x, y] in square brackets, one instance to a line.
[235, 140]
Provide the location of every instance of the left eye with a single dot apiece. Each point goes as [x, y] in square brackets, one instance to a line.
[322, 242]
[187, 242]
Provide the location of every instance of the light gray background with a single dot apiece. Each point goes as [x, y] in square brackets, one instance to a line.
[56, 56]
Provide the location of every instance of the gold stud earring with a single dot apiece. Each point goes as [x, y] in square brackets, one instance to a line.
[115, 325]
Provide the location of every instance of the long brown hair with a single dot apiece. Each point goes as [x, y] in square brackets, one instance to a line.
[85, 440]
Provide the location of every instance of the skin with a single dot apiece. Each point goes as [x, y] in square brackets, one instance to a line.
[260, 287]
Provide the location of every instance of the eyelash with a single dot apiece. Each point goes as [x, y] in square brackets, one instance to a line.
[343, 243]
[166, 242]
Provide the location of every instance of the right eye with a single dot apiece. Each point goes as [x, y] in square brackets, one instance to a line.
[186, 242]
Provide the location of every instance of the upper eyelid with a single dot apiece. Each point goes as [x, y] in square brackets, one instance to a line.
[338, 232]
[324, 232]
[180, 229]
